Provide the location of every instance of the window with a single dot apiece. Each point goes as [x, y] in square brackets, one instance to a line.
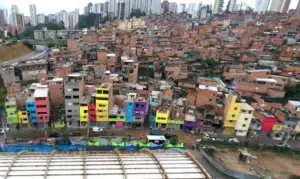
[244, 125]
[122, 117]
[75, 97]
[41, 106]
[99, 91]
[230, 121]
[246, 119]
[69, 116]
[210, 100]
[249, 112]
[30, 105]
[244, 111]
[75, 89]
[101, 98]
[75, 104]
[92, 109]
[40, 99]
[233, 115]
[67, 97]
[105, 91]
[69, 110]
[85, 111]
[137, 105]
[24, 113]
[235, 108]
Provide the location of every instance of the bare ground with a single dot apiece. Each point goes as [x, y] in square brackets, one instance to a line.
[267, 163]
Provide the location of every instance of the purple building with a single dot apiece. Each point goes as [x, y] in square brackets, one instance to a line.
[140, 111]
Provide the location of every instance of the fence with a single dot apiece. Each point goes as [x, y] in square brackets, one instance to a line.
[221, 168]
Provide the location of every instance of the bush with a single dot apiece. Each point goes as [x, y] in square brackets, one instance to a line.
[174, 140]
[294, 177]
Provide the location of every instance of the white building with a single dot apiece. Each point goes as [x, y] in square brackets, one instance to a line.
[40, 19]
[113, 7]
[155, 6]
[244, 120]
[261, 5]
[97, 8]
[182, 8]
[73, 18]
[231, 5]
[280, 5]
[33, 16]
[63, 16]
[14, 13]
[298, 6]
[218, 6]
[173, 7]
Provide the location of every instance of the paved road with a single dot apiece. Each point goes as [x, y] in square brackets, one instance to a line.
[40, 52]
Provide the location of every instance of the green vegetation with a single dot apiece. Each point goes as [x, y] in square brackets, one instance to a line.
[56, 44]
[28, 32]
[2, 94]
[137, 13]
[174, 140]
[29, 45]
[294, 177]
[293, 92]
[90, 20]
[1, 35]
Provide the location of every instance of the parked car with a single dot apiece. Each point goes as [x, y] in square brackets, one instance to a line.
[233, 140]
[53, 135]
[74, 134]
[97, 129]
[169, 136]
[156, 133]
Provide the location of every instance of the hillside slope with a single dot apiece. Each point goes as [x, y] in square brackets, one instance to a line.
[13, 51]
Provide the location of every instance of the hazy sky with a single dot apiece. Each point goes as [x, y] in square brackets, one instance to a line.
[53, 6]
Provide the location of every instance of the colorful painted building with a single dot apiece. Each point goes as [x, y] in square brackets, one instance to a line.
[84, 116]
[31, 111]
[11, 112]
[232, 111]
[162, 116]
[23, 119]
[266, 119]
[42, 104]
[104, 102]
[116, 117]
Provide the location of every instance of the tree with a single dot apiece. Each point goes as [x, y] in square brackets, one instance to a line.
[90, 20]
[293, 92]
[29, 45]
[174, 140]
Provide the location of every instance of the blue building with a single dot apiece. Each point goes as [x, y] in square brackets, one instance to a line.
[31, 110]
[129, 112]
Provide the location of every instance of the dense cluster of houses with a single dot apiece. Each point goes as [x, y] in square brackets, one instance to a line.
[166, 72]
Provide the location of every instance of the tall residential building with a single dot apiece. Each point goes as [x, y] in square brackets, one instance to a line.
[90, 7]
[97, 8]
[285, 6]
[73, 18]
[63, 16]
[52, 18]
[156, 7]
[232, 4]
[218, 6]
[113, 7]
[192, 8]
[14, 12]
[173, 7]
[40, 19]
[33, 16]
[165, 6]
[262, 5]
[182, 8]
[26, 20]
[280, 6]
[298, 6]
[128, 7]
[121, 9]
[2, 17]
[106, 8]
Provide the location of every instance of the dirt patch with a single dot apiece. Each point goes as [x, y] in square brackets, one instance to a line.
[267, 163]
[13, 51]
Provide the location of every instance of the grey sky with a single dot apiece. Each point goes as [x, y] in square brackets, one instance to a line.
[53, 6]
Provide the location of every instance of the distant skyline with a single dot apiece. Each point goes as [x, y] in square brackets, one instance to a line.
[53, 6]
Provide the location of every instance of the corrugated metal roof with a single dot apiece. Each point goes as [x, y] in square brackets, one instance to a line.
[95, 165]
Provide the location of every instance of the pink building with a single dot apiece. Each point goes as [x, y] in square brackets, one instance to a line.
[41, 101]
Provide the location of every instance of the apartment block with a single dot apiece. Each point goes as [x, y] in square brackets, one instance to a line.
[11, 112]
[74, 90]
[104, 103]
[162, 116]
[84, 108]
[42, 105]
[56, 91]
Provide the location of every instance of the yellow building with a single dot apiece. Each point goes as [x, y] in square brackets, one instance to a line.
[162, 116]
[103, 101]
[232, 110]
[23, 118]
[84, 102]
